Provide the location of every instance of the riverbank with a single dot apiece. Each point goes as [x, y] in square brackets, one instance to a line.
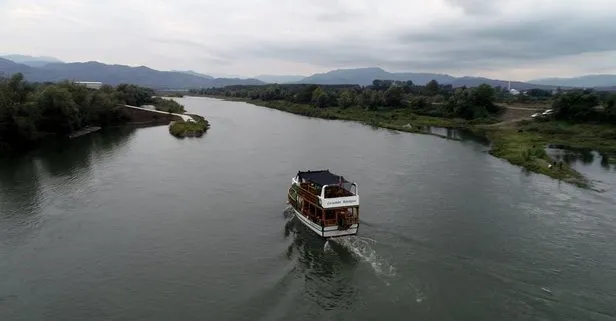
[396, 119]
[521, 143]
[85, 131]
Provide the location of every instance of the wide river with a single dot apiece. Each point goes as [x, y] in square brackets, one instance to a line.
[135, 224]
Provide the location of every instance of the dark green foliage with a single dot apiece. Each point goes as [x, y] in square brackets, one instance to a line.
[432, 88]
[419, 103]
[30, 112]
[576, 105]
[182, 128]
[610, 108]
[134, 95]
[346, 99]
[433, 99]
[168, 105]
[382, 94]
[472, 103]
[319, 98]
[393, 96]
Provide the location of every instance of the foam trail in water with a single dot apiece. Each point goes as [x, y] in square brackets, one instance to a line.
[327, 247]
[287, 212]
[364, 248]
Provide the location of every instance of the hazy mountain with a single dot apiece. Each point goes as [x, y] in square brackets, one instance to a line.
[582, 81]
[116, 74]
[31, 60]
[280, 79]
[365, 76]
[8, 67]
[476, 81]
[194, 73]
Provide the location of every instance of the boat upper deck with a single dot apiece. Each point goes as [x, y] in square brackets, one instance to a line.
[332, 190]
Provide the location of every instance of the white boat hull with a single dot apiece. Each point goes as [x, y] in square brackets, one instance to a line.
[328, 231]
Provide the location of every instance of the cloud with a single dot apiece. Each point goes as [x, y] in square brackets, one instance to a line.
[476, 6]
[504, 38]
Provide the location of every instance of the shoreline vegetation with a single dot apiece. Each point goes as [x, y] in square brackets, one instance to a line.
[33, 113]
[181, 128]
[581, 119]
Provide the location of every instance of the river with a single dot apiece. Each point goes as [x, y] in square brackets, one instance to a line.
[135, 224]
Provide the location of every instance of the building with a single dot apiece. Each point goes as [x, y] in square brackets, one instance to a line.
[91, 84]
[512, 91]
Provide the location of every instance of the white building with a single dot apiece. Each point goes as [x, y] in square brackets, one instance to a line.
[511, 90]
[91, 84]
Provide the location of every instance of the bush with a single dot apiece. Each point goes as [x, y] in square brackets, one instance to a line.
[182, 128]
[168, 105]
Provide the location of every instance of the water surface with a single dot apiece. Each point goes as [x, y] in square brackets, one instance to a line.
[138, 225]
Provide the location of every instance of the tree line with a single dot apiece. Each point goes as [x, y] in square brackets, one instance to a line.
[432, 99]
[31, 112]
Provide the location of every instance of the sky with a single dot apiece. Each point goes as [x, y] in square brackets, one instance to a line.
[504, 39]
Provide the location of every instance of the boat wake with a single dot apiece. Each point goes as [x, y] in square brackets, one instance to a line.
[288, 213]
[365, 249]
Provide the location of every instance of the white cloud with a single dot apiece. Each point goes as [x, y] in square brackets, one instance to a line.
[518, 39]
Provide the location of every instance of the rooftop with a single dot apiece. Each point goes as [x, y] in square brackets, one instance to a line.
[321, 177]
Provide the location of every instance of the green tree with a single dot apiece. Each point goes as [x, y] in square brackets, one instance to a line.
[483, 96]
[575, 105]
[305, 95]
[346, 99]
[610, 107]
[432, 88]
[60, 114]
[168, 105]
[377, 99]
[319, 98]
[393, 96]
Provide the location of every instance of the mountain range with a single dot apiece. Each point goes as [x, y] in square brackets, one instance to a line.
[31, 60]
[117, 74]
[280, 79]
[588, 81]
[52, 69]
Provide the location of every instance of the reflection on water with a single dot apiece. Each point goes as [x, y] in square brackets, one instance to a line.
[20, 177]
[580, 156]
[19, 187]
[590, 163]
[457, 134]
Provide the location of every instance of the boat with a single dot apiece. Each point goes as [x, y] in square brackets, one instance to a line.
[325, 203]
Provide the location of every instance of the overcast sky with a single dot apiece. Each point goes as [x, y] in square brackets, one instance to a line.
[505, 39]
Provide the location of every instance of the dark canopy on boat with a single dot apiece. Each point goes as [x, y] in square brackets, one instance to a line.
[322, 177]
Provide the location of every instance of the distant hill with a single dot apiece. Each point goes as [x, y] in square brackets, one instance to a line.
[476, 81]
[365, 76]
[31, 60]
[116, 74]
[280, 79]
[586, 81]
[190, 72]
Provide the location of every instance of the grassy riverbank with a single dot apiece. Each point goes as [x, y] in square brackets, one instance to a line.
[522, 143]
[397, 119]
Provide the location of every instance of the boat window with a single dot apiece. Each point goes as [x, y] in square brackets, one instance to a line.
[353, 189]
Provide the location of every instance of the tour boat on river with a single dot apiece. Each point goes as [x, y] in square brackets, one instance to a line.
[325, 203]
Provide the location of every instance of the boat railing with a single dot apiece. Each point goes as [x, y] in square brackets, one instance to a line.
[308, 192]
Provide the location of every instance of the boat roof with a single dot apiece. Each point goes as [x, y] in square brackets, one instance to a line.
[321, 177]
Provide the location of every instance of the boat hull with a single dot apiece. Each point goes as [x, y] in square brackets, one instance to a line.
[327, 231]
